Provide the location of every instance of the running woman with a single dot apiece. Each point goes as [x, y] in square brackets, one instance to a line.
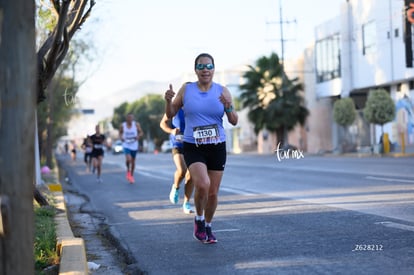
[175, 128]
[205, 103]
[129, 132]
[87, 147]
[98, 142]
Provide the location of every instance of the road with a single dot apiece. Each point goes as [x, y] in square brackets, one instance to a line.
[308, 215]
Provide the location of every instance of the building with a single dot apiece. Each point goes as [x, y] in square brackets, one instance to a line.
[367, 46]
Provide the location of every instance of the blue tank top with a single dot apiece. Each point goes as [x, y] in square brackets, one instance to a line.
[203, 114]
[177, 122]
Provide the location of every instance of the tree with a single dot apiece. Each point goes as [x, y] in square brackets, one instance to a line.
[274, 101]
[344, 114]
[379, 108]
[65, 18]
[68, 17]
[17, 129]
[54, 113]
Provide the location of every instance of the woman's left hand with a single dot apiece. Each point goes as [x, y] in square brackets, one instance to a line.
[225, 98]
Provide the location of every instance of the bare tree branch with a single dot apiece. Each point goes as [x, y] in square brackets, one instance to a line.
[71, 15]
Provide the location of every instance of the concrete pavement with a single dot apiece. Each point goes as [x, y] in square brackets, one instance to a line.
[150, 228]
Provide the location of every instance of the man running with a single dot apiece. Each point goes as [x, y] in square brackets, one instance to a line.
[130, 132]
[98, 142]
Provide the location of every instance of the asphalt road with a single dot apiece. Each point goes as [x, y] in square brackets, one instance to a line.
[310, 215]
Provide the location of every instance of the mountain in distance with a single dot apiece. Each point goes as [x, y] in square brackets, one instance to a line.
[105, 105]
[139, 90]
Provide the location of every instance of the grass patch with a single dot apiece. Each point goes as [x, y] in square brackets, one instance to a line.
[45, 238]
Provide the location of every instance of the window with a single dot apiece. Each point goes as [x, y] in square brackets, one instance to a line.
[411, 84]
[368, 37]
[328, 62]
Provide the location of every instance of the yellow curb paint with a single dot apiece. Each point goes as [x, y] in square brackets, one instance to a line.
[55, 187]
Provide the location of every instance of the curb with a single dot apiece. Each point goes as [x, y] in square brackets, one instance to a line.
[71, 249]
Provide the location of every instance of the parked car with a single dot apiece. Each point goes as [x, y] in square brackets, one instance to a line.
[166, 146]
[117, 147]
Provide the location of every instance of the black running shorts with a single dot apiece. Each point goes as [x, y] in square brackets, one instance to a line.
[177, 150]
[212, 155]
[97, 153]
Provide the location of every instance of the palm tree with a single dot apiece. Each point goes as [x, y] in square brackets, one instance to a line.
[273, 100]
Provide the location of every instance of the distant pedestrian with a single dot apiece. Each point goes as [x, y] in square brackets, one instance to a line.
[87, 147]
[98, 141]
[66, 146]
[204, 103]
[129, 132]
[175, 128]
[73, 151]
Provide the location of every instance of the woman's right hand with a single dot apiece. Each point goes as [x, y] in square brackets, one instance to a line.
[169, 94]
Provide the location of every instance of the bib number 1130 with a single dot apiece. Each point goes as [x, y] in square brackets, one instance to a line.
[208, 131]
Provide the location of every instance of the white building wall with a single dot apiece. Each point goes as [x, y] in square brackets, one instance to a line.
[385, 64]
[381, 66]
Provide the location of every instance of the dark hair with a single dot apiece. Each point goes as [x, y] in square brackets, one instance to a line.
[203, 55]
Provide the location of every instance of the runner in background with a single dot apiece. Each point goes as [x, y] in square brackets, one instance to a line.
[129, 132]
[98, 142]
[87, 147]
[175, 128]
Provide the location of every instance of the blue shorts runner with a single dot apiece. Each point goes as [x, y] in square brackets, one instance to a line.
[132, 153]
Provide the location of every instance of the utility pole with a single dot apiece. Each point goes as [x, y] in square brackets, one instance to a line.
[282, 39]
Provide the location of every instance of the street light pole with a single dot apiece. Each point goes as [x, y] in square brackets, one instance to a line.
[282, 40]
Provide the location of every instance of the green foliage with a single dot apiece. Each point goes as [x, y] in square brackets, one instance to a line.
[379, 108]
[45, 238]
[57, 83]
[274, 101]
[58, 106]
[344, 111]
[148, 111]
[45, 19]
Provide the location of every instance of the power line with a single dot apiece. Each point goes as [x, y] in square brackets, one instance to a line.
[282, 40]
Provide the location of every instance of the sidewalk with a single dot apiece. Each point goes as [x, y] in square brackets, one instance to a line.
[99, 254]
[70, 248]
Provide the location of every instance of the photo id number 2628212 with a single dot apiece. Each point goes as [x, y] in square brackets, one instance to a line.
[368, 247]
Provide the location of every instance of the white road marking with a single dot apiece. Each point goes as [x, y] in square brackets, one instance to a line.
[389, 179]
[142, 171]
[397, 225]
[153, 175]
[237, 191]
[227, 230]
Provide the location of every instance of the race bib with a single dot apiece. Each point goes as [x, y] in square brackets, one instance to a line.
[98, 146]
[130, 140]
[206, 134]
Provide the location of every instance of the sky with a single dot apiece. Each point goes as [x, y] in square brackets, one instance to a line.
[158, 40]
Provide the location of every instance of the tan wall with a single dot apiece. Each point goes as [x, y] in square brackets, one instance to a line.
[319, 126]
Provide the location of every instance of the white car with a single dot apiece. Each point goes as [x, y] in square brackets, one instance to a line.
[166, 146]
[117, 147]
